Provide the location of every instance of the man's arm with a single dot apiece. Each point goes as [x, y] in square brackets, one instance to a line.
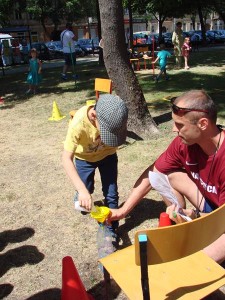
[216, 250]
[174, 38]
[140, 189]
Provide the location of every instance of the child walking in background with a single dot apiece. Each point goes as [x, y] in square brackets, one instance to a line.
[162, 57]
[186, 48]
[34, 76]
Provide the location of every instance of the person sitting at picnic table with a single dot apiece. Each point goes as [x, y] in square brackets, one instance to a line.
[194, 163]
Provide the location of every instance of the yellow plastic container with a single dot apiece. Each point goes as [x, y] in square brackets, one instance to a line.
[100, 213]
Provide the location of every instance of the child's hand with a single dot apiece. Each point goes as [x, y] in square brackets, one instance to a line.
[85, 199]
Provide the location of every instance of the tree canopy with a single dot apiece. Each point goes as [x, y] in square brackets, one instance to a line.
[5, 11]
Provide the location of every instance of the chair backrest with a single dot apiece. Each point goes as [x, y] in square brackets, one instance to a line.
[165, 244]
[103, 85]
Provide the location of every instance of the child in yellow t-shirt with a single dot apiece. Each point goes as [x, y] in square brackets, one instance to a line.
[92, 139]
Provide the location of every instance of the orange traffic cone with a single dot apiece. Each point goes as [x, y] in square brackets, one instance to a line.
[56, 115]
[164, 220]
[72, 286]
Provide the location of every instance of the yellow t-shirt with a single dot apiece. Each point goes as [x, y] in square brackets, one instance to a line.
[83, 139]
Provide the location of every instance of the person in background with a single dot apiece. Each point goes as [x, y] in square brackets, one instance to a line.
[194, 163]
[67, 38]
[162, 57]
[178, 40]
[25, 51]
[34, 76]
[91, 142]
[186, 48]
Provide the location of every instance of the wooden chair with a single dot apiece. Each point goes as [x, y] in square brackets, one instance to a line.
[146, 59]
[135, 61]
[103, 85]
[144, 51]
[168, 262]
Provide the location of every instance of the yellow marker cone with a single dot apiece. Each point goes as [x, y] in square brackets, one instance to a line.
[56, 115]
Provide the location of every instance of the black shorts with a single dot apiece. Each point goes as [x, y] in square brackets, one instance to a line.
[70, 58]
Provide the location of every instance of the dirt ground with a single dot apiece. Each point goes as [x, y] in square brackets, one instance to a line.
[39, 225]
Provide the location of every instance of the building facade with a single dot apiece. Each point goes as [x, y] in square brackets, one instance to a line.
[88, 28]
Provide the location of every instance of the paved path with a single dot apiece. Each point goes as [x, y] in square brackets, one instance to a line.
[47, 64]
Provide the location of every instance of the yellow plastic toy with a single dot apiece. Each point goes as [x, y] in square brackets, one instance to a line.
[100, 213]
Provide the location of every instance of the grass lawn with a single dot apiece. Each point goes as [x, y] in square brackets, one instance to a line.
[39, 225]
[207, 72]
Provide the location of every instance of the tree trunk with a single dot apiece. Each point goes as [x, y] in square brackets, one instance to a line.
[100, 59]
[44, 27]
[120, 71]
[193, 21]
[131, 39]
[199, 7]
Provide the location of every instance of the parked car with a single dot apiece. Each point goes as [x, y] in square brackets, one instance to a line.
[216, 36]
[140, 38]
[42, 50]
[88, 45]
[79, 51]
[222, 31]
[55, 49]
[196, 38]
[168, 39]
[95, 41]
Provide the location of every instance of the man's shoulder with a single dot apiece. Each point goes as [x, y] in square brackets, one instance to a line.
[68, 32]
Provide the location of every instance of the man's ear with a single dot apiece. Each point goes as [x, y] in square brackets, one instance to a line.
[203, 123]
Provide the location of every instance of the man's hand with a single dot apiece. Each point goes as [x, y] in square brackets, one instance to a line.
[175, 213]
[115, 214]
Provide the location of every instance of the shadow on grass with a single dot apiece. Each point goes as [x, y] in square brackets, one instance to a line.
[18, 257]
[50, 294]
[5, 290]
[98, 290]
[14, 86]
[163, 118]
[147, 209]
[15, 236]
[181, 82]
